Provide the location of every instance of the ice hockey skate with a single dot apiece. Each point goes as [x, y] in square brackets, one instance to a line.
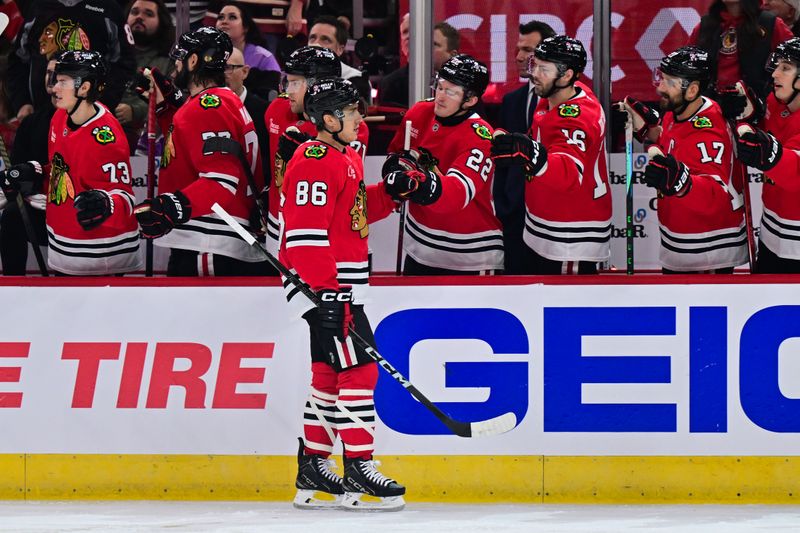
[318, 487]
[362, 479]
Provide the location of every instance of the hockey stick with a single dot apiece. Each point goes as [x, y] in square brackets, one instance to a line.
[401, 229]
[151, 170]
[26, 219]
[629, 195]
[493, 426]
[744, 175]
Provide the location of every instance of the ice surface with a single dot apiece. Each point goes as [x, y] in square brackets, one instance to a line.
[245, 517]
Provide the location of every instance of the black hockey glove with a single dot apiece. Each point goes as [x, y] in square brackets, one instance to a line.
[419, 186]
[731, 102]
[401, 161]
[757, 148]
[289, 141]
[642, 117]
[93, 207]
[668, 175]
[517, 148]
[331, 322]
[26, 178]
[173, 96]
[159, 215]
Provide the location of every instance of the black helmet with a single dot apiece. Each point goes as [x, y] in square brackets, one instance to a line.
[329, 96]
[313, 63]
[467, 72]
[564, 51]
[212, 46]
[689, 63]
[788, 50]
[81, 66]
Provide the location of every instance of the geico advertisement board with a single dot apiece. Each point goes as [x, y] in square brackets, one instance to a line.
[587, 370]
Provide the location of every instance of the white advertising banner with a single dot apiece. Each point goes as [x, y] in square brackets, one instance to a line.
[587, 369]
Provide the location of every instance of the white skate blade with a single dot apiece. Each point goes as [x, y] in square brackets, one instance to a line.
[494, 426]
[315, 499]
[358, 502]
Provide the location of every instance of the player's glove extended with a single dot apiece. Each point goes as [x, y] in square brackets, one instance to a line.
[173, 96]
[740, 103]
[331, 322]
[666, 174]
[414, 159]
[518, 149]
[25, 178]
[289, 141]
[642, 117]
[159, 215]
[757, 148]
[419, 186]
[93, 207]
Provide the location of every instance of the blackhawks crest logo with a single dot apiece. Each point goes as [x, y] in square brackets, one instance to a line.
[61, 187]
[482, 131]
[104, 135]
[209, 101]
[316, 151]
[702, 123]
[358, 213]
[569, 110]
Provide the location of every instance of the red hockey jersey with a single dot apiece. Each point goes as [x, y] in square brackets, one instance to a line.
[780, 195]
[93, 156]
[705, 229]
[568, 207]
[209, 178]
[278, 117]
[460, 230]
[325, 221]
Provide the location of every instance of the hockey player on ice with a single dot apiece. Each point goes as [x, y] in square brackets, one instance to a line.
[325, 214]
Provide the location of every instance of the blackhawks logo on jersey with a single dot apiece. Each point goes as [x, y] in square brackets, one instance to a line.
[702, 123]
[482, 131]
[61, 187]
[210, 101]
[316, 151]
[569, 110]
[169, 149]
[104, 135]
[358, 213]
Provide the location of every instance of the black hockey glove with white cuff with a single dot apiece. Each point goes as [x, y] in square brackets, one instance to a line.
[331, 322]
[519, 149]
[419, 186]
[26, 178]
[668, 175]
[93, 207]
[173, 96]
[289, 141]
[757, 148]
[642, 117]
[415, 159]
[159, 215]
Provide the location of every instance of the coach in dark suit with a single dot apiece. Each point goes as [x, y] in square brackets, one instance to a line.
[516, 113]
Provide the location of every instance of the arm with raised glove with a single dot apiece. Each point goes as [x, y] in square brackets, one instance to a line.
[741, 103]
[419, 186]
[25, 178]
[289, 141]
[644, 119]
[666, 174]
[757, 148]
[159, 215]
[518, 149]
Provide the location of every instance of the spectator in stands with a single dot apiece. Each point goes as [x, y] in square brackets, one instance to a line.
[739, 37]
[271, 18]
[56, 25]
[236, 73]
[509, 183]
[339, 9]
[331, 33]
[153, 35]
[394, 86]
[30, 145]
[237, 22]
[788, 11]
